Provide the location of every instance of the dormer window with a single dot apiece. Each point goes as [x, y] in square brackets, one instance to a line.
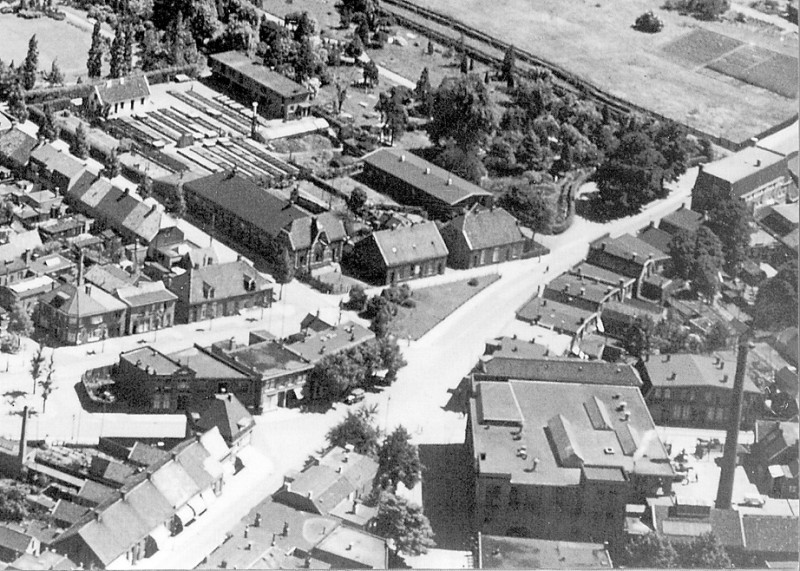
[208, 291]
[249, 283]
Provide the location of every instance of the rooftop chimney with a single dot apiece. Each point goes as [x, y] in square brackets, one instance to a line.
[728, 465]
[449, 180]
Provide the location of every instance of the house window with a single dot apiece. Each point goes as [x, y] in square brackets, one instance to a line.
[667, 393]
[496, 255]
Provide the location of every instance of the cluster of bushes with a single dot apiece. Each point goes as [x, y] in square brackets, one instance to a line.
[382, 308]
[703, 9]
[649, 22]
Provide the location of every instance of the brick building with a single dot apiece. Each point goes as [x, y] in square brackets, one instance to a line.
[483, 236]
[633, 258]
[120, 96]
[82, 313]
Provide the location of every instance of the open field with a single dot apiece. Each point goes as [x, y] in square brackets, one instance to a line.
[596, 41]
[433, 304]
[57, 40]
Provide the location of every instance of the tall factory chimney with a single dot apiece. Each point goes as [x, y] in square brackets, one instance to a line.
[725, 489]
[23, 438]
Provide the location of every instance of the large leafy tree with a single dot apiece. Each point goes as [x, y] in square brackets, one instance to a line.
[508, 68]
[651, 551]
[776, 302]
[56, 77]
[16, 103]
[48, 130]
[729, 219]
[398, 460]
[392, 106]
[80, 146]
[13, 504]
[529, 205]
[705, 552]
[30, 66]
[405, 524]
[698, 257]
[357, 428]
[20, 321]
[462, 114]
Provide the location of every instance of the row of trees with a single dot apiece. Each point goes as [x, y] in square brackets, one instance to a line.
[658, 552]
[398, 462]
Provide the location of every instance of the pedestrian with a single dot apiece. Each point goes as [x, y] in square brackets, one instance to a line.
[285, 529]
[258, 519]
[547, 269]
[246, 531]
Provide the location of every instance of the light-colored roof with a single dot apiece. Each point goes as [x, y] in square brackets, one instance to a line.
[746, 162]
[785, 142]
[123, 89]
[487, 228]
[82, 301]
[408, 244]
[695, 370]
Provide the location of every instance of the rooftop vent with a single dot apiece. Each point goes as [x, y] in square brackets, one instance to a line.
[483, 455]
[608, 450]
[402, 158]
[427, 170]
[449, 181]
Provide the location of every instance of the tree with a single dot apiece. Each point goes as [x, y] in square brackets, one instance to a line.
[698, 257]
[717, 337]
[394, 113]
[357, 298]
[391, 357]
[423, 88]
[13, 504]
[509, 66]
[48, 130]
[362, 31]
[46, 384]
[80, 146]
[55, 77]
[651, 550]
[113, 168]
[430, 48]
[405, 524]
[729, 219]
[307, 27]
[305, 62]
[20, 321]
[16, 103]
[649, 23]
[776, 303]
[118, 52]
[462, 113]
[145, 187]
[38, 367]
[371, 75]
[357, 200]
[398, 460]
[530, 206]
[94, 64]
[127, 50]
[705, 552]
[31, 65]
[463, 64]
[284, 267]
[358, 429]
[341, 95]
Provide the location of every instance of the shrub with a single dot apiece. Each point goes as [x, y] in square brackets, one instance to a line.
[649, 23]
[473, 282]
[410, 303]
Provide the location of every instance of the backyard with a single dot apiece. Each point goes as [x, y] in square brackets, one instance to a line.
[606, 50]
[59, 40]
[433, 304]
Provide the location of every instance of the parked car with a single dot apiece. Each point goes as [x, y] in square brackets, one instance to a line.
[356, 395]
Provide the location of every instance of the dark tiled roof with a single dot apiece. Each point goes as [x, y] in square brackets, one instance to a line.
[227, 281]
[628, 247]
[724, 524]
[574, 286]
[559, 316]
[145, 294]
[66, 511]
[108, 277]
[260, 74]
[81, 301]
[303, 231]
[247, 201]
[342, 337]
[770, 534]
[657, 238]
[14, 540]
[56, 161]
[16, 146]
[409, 244]
[227, 413]
[600, 275]
[562, 370]
[683, 219]
[487, 228]
[94, 492]
[522, 553]
[412, 170]
[146, 455]
[123, 89]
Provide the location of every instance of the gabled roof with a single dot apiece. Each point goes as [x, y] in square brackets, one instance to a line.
[227, 413]
[423, 175]
[657, 238]
[628, 247]
[81, 301]
[109, 277]
[145, 293]
[682, 526]
[57, 161]
[600, 275]
[146, 455]
[303, 231]
[409, 244]
[45, 561]
[68, 512]
[487, 228]
[770, 533]
[13, 539]
[559, 316]
[122, 89]
[249, 202]
[682, 219]
[226, 280]
[260, 74]
[575, 286]
[16, 147]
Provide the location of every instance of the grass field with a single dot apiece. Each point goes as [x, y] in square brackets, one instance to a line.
[596, 41]
[433, 304]
[57, 40]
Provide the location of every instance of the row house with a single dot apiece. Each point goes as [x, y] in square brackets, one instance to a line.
[483, 236]
[151, 306]
[582, 293]
[633, 258]
[81, 313]
[412, 180]
[264, 222]
[401, 254]
[696, 390]
[15, 149]
[217, 290]
[58, 169]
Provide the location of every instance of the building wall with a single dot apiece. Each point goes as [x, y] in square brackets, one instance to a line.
[461, 256]
[701, 407]
[74, 331]
[270, 104]
[278, 392]
[150, 317]
[97, 107]
[212, 308]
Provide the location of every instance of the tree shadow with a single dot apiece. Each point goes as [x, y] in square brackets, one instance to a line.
[447, 493]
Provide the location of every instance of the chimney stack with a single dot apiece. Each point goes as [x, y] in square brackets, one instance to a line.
[23, 438]
[728, 465]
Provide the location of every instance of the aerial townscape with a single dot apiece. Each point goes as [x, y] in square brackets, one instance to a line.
[399, 284]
